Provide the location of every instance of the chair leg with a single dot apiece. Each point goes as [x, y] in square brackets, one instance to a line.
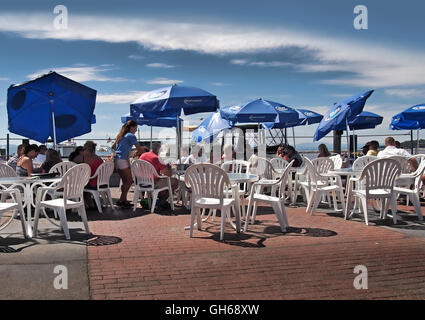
[394, 208]
[192, 220]
[198, 218]
[285, 217]
[317, 197]
[154, 197]
[170, 194]
[64, 222]
[96, 197]
[254, 212]
[417, 205]
[248, 211]
[22, 217]
[278, 212]
[364, 205]
[348, 205]
[223, 222]
[83, 215]
[311, 196]
[36, 217]
[136, 198]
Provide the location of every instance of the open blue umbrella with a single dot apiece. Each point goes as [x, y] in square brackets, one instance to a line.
[50, 106]
[341, 113]
[364, 120]
[287, 119]
[411, 119]
[210, 128]
[312, 117]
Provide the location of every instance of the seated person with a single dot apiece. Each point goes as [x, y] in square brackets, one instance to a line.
[392, 150]
[94, 161]
[41, 156]
[323, 151]
[373, 148]
[162, 169]
[197, 156]
[76, 155]
[279, 152]
[292, 154]
[14, 159]
[24, 166]
[52, 157]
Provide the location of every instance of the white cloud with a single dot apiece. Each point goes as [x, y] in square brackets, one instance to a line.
[219, 84]
[81, 73]
[4, 79]
[406, 93]
[136, 57]
[159, 65]
[277, 64]
[118, 98]
[362, 64]
[164, 81]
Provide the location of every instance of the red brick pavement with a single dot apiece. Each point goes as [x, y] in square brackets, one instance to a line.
[315, 259]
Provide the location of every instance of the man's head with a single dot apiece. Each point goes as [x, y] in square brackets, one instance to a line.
[20, 149]
[374, 145]
[156, 147]
[397, 144]
[289, 150]
[43, 149]
[389, 141]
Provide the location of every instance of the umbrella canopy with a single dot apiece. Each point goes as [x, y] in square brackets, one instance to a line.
[311, 117]
[155, 122]
[415, 113]
[364, 120]
[170, 101]
[412, 118]
[210, 128]
[340, 113]
[291, 118]
[259, 111]
[50, 106]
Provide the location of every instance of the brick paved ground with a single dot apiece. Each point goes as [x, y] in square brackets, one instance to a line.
[315, 259]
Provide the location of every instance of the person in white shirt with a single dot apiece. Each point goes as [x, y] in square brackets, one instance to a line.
[38, 161]
[197, 156]
[391, 150]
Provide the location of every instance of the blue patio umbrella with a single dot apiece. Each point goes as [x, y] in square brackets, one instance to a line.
[312, 117]
[50, 106]
[288, 118]
[170, 101]
[364, 120]
[411, 119]
[210, 128]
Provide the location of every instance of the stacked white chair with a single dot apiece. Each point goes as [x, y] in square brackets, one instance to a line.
[72, 197]
[376, 181]
[277, 202]
[319, 185]
[103, 174]
[144, 174]
[209, 183]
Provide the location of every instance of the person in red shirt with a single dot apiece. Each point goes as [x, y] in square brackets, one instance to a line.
[162, 169]
[94, 161]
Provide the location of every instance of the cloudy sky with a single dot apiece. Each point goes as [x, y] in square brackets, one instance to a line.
[300, 53]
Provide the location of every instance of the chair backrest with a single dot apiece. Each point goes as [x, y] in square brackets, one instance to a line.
[207, 181]
[7, 171]
[418, 176]
[144, 173]
[380, 174]
[337, 160]
[62, 167]
[104, 173]
[284, 180]
[311, 172]
[323, 165]
[279, 163]
[265, 169]
[362, 162]
[74, 180]
[236, 166]
[404, 162]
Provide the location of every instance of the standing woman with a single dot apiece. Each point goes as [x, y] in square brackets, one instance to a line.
[122, 146]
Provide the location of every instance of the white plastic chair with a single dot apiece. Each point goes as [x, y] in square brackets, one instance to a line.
[62, 167]
[16, 204]
[209, 183]
[103, 174]
[318, 185]
[412, 193]
[376, 181]
[337, 160]
[279, 163]
[265, 169]
[144, 175]
[361, 162]
[72, 197]
[7, 171]
[278, 203]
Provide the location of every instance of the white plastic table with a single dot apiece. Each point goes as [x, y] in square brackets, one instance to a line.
[28, 184]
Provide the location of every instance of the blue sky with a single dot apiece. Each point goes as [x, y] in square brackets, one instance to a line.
[299, 53]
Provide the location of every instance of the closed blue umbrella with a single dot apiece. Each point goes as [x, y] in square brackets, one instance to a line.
[341, 113]
[210, 128]
[50, 106]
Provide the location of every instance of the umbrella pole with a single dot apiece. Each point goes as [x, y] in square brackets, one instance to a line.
[151, 138]
[348, 139]
[293, 135]
[286, 136]
[417, 142]
[54, 131]
[411, 141]
[178, 138]
[354, 144]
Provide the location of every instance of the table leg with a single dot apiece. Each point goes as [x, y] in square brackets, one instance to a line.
[28, 200]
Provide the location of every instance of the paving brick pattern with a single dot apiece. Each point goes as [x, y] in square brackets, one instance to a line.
[314, 259]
